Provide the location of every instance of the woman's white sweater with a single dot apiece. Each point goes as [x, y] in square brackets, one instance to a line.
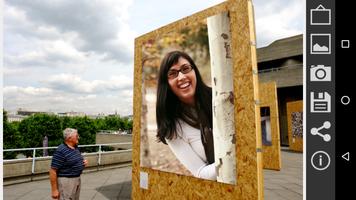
[189, 150]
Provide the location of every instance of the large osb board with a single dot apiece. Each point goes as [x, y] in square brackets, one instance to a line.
[271, 154]
[163, 185]
[295, 143]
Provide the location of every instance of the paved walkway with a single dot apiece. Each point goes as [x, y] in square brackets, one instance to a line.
[116, 183]
[287, 183]
[100, 185]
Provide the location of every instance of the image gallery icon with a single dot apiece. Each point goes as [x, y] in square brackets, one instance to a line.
[320, 73]
[320, 43]
[320, 103]
[320, 16]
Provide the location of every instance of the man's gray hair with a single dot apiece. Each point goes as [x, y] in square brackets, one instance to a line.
[68, 132]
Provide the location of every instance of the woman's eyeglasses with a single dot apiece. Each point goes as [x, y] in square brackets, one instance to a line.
[185, 69]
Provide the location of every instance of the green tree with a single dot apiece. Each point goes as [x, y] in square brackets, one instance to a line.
[12, 138]
[86, 130]
[129, 126]
[65, 121]
[126, 124]
[36, 127]
[100, 124]
[113, 123]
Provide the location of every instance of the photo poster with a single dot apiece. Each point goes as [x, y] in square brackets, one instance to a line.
[270, 126]
[266, 126]
[295, 125]
[192, 40]
[157, 170]
[186, 153]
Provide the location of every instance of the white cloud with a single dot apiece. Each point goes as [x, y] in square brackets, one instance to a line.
[14, 71]
[15, 90]
[64, 55]
[127, 94]
[51, 54]
[276, 19]
[150, 15]
[100, 26]
[19, 26]
[47, 99]
[86, 97]
[75, 84]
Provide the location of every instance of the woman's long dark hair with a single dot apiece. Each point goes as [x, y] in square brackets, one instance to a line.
[169, 109]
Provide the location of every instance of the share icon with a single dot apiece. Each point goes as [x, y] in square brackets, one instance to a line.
[315, 131]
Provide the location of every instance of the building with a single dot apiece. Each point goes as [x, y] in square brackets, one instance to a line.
[71, 114]
[21, 114]
[15, 117]
[282, 62]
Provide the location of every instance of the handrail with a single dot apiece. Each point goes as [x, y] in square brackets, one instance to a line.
[99, 152]
[84, 145]
[273, 69]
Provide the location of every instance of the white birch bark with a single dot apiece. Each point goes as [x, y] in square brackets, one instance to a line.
[223, 99]
[144, 145]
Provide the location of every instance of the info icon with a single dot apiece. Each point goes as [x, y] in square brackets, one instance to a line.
[320, 73]
[320, 160]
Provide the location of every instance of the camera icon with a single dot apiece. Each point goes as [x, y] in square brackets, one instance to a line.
[320, 73]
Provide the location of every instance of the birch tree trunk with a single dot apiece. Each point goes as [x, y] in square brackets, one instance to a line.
[223, 99]
[144, 145]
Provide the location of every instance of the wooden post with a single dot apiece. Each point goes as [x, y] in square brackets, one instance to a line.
[223, 98]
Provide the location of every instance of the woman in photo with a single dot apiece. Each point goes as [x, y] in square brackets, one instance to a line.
[184, 114]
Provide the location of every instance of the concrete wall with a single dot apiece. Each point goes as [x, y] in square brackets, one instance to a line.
[17, 168]
[112, 157]
[114, 138]
[285, 77]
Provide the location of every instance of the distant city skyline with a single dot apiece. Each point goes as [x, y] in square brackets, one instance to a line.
[78, 55]
[19, 115]
[65, 112]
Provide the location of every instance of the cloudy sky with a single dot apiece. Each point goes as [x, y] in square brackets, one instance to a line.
[65, 55]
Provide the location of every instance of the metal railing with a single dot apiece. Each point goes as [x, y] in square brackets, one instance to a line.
[99, 152]
[273, 69]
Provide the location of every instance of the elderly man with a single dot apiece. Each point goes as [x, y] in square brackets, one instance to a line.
[66, 167]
